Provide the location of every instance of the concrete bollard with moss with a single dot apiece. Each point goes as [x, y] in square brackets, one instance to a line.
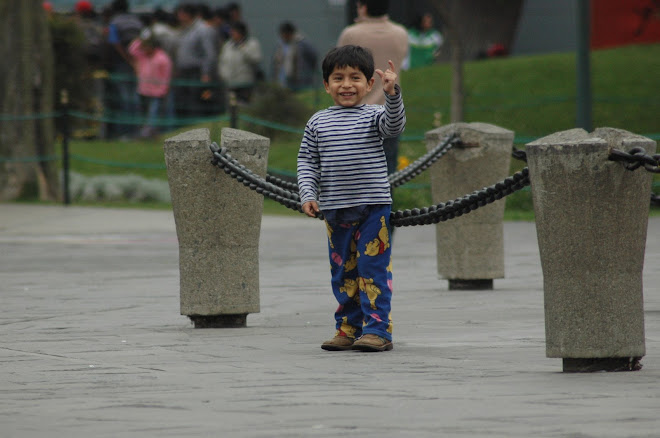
[470, 250]
[591, 221]
[218, 223]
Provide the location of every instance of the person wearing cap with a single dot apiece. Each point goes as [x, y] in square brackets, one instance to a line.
[85, 18]
[48, 9]
[84, 7]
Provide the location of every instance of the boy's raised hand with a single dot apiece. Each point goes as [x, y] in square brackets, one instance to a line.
[388, 77]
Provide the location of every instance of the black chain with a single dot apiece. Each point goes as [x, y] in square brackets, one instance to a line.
[635, 158]
[427, 215]
[519, 154]
[655, 200]
[460, 206]
[424, 162]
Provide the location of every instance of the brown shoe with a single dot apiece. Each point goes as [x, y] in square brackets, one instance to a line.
[338, 343]
[370, 342]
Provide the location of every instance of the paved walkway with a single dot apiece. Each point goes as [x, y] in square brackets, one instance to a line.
[92, 343]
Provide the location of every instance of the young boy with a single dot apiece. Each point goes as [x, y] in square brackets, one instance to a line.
[342, 171]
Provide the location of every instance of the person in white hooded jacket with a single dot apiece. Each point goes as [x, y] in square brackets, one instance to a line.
[238, 62]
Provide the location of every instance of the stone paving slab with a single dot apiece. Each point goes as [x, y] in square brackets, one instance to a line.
[92, 343]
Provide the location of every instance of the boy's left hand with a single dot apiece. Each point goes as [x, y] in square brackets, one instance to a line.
[388, 77]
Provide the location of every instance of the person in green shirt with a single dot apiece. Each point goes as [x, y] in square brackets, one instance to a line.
[424, 41]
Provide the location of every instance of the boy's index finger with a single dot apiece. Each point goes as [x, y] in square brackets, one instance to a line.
[391, 65]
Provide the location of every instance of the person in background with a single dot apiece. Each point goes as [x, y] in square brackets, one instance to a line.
[163, 28]
[295, 59]
[387, 41]
[234, 12]
[211, 96]
[153, 68]
[164, 31]
[239, 62]
[85, 18]
[218, 22]
[221, 22]
[123, 28]
[424, 41]
[48, 10]
[194, 61]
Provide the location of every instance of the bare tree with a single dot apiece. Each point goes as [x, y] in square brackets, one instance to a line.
[471, 26]
[26, 90]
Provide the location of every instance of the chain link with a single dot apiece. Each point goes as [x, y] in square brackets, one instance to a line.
[424, 162]
[655, 200]
[401, 218]
[635, 158]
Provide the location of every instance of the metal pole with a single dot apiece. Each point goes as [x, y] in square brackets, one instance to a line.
[584, 118]
[64, 100]
[233, 110]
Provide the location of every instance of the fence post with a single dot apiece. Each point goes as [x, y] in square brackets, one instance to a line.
[218, 222]
[64, 100]
[470, 251]
[591, 222]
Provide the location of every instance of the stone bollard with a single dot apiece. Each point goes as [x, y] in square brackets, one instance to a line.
[218, 222]
[470, 249]
[591, 221]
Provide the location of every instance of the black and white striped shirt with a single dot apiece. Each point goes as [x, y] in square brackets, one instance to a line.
[341, 162]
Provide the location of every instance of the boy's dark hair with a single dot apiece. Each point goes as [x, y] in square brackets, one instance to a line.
[348, 56]
[376, 8]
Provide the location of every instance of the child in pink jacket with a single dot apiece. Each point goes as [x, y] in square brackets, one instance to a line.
[153, 68]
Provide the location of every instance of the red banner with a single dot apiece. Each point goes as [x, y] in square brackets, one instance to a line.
[621, 22]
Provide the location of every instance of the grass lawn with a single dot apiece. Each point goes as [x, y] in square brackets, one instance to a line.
[533, 95]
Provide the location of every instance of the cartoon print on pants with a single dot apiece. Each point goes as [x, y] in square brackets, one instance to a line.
[330, 231]
[367, 286]
[346, 329]
[380, 243]
[351, 263]
[350, 288]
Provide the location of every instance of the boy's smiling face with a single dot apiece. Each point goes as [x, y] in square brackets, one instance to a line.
[348, 85]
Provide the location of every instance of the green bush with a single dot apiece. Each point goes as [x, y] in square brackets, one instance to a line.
[72, 72]
[279, 106]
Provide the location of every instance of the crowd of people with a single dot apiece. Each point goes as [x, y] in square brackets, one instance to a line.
[182, 64]
[186, 63]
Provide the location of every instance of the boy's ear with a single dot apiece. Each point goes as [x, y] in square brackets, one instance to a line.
[327, 86]
[370, 83]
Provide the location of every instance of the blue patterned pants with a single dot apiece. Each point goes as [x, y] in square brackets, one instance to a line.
[361, 268]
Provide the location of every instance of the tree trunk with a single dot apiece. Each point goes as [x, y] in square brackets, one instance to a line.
[457, 92]
[471, 26]
[27, 140]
